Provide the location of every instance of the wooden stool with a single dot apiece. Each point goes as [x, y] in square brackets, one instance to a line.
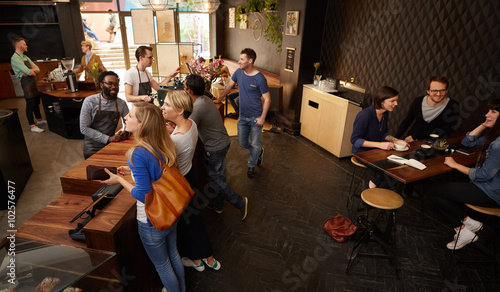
[350, 197]
[385, 200]
[491, 258]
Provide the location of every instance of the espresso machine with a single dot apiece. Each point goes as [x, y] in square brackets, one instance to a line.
[71, 80]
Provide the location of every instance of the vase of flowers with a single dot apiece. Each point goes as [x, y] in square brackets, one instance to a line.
[94, 70]
[315, 77]
[208, 70]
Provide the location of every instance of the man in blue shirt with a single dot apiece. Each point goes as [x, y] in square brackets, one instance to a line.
[253, 89]
[26, 70]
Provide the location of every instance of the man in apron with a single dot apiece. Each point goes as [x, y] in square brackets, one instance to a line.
[100, 115]
[139, 82]
[26, 70]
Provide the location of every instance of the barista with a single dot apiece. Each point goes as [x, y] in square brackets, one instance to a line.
[139, 82]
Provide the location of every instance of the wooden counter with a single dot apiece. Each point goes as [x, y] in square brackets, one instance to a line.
[327, 120]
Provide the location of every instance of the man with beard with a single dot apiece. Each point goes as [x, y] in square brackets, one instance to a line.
[434, 113]
[100, 115]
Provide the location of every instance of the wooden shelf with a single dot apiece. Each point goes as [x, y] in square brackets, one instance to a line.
[33, 23]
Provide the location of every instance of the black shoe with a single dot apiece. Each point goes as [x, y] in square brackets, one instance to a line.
[251, 172]
[261, 157]
[244, 209]
[233, 116]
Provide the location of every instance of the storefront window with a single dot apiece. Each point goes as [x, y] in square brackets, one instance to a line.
[195, 28]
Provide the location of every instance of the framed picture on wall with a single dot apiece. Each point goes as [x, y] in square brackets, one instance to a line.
[290, 59]
[292, 22]
[232, 17]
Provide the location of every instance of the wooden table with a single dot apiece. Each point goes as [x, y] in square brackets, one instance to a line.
[407, 174]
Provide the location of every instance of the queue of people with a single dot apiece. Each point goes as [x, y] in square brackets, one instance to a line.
[437, 114]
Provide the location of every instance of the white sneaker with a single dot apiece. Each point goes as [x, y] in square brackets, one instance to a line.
[41, 122]
[186, 262]
[164, 289]
[473, 225]
[35, 129]
[466, 237]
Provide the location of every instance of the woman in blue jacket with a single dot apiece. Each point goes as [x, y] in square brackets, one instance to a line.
[152, 144]
[484, 186]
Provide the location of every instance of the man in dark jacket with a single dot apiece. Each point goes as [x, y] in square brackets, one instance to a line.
[434, 113]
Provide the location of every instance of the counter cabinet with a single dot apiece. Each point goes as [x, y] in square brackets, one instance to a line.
[327, 120]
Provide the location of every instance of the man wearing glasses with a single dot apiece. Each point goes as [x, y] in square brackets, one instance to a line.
[434, 113]
[100, 115]
[138, 81]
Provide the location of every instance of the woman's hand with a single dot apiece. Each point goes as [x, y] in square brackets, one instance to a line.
[450, 162]
[386, 145]
[113, 178]
[124, 170]
[170, 127]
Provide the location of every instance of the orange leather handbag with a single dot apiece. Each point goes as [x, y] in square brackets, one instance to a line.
[339, 227]
[170, 195]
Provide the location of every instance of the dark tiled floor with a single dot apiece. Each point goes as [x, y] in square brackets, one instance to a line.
[281, 246]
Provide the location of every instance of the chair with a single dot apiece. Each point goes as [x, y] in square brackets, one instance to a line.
[491, 257]
[350, 196]
[368, 230]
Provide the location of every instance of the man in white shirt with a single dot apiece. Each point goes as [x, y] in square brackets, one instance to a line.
[139, 82]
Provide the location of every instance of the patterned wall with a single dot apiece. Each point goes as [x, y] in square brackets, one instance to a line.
[402, 43]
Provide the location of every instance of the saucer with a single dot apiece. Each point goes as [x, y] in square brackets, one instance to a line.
[404, 149]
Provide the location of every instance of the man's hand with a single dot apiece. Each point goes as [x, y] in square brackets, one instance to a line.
[386, 145]
[115, 138]
[123, 134]
[260, 121]
[36, 69]
[216, 101]
[173, 73]
[409, 139]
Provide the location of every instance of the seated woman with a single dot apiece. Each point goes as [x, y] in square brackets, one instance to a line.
[193, 239]
[484, 186]
[370, 128]
[88, 60]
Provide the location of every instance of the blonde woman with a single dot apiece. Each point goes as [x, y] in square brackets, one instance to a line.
[152, 143]
[193, 239]
[88, 60]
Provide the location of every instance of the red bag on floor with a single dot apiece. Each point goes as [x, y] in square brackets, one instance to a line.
[339, 227]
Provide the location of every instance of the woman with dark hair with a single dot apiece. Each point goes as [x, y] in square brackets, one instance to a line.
[152, 145]
[484, 186]
[370, 128]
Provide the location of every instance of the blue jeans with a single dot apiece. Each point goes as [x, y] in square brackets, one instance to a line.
[249, 135]
[162, 250]
[215, 165]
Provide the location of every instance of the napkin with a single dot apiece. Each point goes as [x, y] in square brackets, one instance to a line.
[411, 162]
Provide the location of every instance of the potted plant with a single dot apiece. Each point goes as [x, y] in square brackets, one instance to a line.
[270, 5]
[240, 10]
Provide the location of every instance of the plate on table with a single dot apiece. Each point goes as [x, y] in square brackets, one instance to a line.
[402, 150]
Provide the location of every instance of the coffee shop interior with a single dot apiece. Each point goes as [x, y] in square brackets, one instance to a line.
[305, 49]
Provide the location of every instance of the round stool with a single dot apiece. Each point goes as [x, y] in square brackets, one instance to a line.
[485, 210]
[385, 200]
[382, 199]
[351, 195]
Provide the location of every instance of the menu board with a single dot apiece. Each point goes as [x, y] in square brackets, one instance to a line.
[290, 59]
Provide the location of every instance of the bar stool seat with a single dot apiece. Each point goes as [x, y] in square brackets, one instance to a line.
[485, 210]
[356, 162]
[386, 201]
[382, 199]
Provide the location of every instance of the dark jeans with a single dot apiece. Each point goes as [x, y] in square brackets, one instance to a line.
[215, 165]
[33, 107]
[234, 100]
[451, 197]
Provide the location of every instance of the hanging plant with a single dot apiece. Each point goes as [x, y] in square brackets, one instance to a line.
[241, 10]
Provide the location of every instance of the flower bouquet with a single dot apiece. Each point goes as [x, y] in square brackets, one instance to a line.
[208, 70]
[94, 70]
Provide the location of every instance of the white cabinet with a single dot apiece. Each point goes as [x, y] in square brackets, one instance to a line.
[327, 120]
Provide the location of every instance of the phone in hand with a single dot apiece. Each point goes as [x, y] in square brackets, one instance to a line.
[465, 151]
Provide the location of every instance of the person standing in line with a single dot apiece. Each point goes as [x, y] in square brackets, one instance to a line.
[253, 89]
[139, 82]
[152, 145]
[100, 115]
[111, 27]
[88, 60]
[192, 236]
[26, 70]
[214, 136]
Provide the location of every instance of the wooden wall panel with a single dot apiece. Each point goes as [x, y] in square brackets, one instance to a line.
[166, 26]
[168, 58]
[143, 26]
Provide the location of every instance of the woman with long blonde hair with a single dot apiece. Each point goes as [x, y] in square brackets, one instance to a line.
[152, 144]
[193, 238]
